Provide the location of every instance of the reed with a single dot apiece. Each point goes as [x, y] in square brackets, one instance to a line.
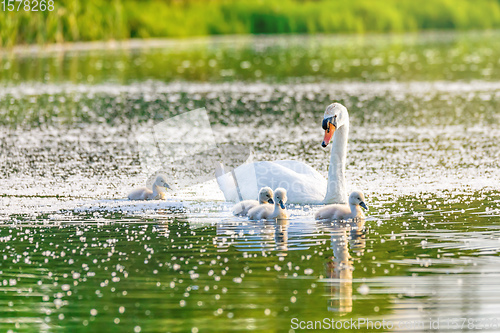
[89, 20]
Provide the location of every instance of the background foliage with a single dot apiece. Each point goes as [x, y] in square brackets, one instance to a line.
[88, 20]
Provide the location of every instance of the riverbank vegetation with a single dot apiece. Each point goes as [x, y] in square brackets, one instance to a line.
[89, 20]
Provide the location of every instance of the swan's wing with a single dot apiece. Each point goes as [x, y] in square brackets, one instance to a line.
[229, 183]
[301, 187]
[260, 212]
[239, 184]
[228, 187]
[300, 168]
[252, 213]
[242, 207]
[304, 185]
[139, 193]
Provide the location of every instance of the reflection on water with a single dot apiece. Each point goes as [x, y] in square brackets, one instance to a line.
[370, 57]
[345, 237]
[179, 270]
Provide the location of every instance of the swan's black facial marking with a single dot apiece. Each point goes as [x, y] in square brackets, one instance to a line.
[325, 123]
[330, 120]
[269, 199]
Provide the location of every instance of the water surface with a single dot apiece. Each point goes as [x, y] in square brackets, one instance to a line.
[76, 256]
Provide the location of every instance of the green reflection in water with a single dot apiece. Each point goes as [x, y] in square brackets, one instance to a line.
[168, 273]
[407, 57]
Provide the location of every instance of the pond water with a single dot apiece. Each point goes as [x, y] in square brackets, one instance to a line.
[76, 256]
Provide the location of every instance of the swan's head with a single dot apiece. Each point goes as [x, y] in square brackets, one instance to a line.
[161, 181]
[280, 197]
[335, 117]
[266, 195]
[357, 198]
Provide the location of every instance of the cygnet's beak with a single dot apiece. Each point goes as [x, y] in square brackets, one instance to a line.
[330, 129]
[167, 186]
[271, 201]
[362, 204]
[281, 204]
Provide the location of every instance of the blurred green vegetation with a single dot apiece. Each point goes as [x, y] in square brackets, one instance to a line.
[79, 20]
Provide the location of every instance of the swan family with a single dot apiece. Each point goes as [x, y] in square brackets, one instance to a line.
[295, 182]
[304, 185]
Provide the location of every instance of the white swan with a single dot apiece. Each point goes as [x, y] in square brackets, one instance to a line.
[270, 212]
[344, 211]
[303, 184]
[144, 193]
[265, 197]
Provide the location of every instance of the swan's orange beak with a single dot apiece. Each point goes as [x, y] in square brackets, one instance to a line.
[328, 135]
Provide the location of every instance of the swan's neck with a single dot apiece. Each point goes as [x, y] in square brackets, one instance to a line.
[277, 209]
[336, 191]
[354, 208]
[157, 190]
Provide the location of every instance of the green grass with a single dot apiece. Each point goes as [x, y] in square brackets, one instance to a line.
[88, 20]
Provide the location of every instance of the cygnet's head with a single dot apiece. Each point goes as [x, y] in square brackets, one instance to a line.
[280, 197]
[336, 115]
[161, 181]
[266, 195]
[357, 198]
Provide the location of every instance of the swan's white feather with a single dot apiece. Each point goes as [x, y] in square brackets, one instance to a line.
[302, 183]
[144, 193]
